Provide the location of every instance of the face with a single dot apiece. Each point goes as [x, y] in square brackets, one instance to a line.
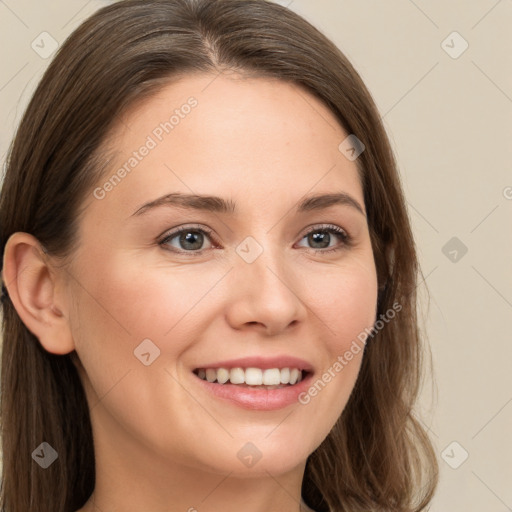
[273, 278]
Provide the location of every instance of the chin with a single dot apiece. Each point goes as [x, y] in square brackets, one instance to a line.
[248, 459]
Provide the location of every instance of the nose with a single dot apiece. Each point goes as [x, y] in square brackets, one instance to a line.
[265, 294]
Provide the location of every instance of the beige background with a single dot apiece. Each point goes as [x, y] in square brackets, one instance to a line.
[449, 120]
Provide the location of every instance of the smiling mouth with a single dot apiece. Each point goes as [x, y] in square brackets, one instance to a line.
[255, 378]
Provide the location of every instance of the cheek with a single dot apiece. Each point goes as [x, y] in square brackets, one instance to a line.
[342, 300]
[345, 298]
[118, 306]
[345, 302]
[122, 302]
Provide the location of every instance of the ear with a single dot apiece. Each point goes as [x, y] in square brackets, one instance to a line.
[36, 291]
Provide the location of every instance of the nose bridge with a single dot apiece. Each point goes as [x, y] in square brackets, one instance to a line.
[265, 287]
[262, 260]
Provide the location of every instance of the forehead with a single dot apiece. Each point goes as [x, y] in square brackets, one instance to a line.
[218, 134]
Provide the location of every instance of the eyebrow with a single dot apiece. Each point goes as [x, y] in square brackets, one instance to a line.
[220, 205]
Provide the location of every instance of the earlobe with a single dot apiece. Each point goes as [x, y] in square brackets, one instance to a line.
[32, 285]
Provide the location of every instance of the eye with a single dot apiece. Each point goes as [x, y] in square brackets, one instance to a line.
[188, 239]
[321, 237]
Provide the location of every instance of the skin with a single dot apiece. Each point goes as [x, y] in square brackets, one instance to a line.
[161, 443]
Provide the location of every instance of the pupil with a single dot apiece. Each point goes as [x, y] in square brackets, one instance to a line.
[321, 237]
[191, 237]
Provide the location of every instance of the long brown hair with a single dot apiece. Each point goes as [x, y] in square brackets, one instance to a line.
[378, 456]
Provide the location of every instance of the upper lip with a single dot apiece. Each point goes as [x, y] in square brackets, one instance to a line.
[262, 362]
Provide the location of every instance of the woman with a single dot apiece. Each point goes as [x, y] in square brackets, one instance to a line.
[209, 275]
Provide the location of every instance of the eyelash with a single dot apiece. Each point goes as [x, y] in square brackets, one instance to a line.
[329, 228]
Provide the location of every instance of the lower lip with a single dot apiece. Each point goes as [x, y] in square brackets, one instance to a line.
[257, 398]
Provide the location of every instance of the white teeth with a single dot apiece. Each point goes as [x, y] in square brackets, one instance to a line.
[253, 377]
[271, 377]
[222, 375]
[237, 376]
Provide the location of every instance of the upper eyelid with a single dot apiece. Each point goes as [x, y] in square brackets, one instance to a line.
[174, 232]
[320, 227]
